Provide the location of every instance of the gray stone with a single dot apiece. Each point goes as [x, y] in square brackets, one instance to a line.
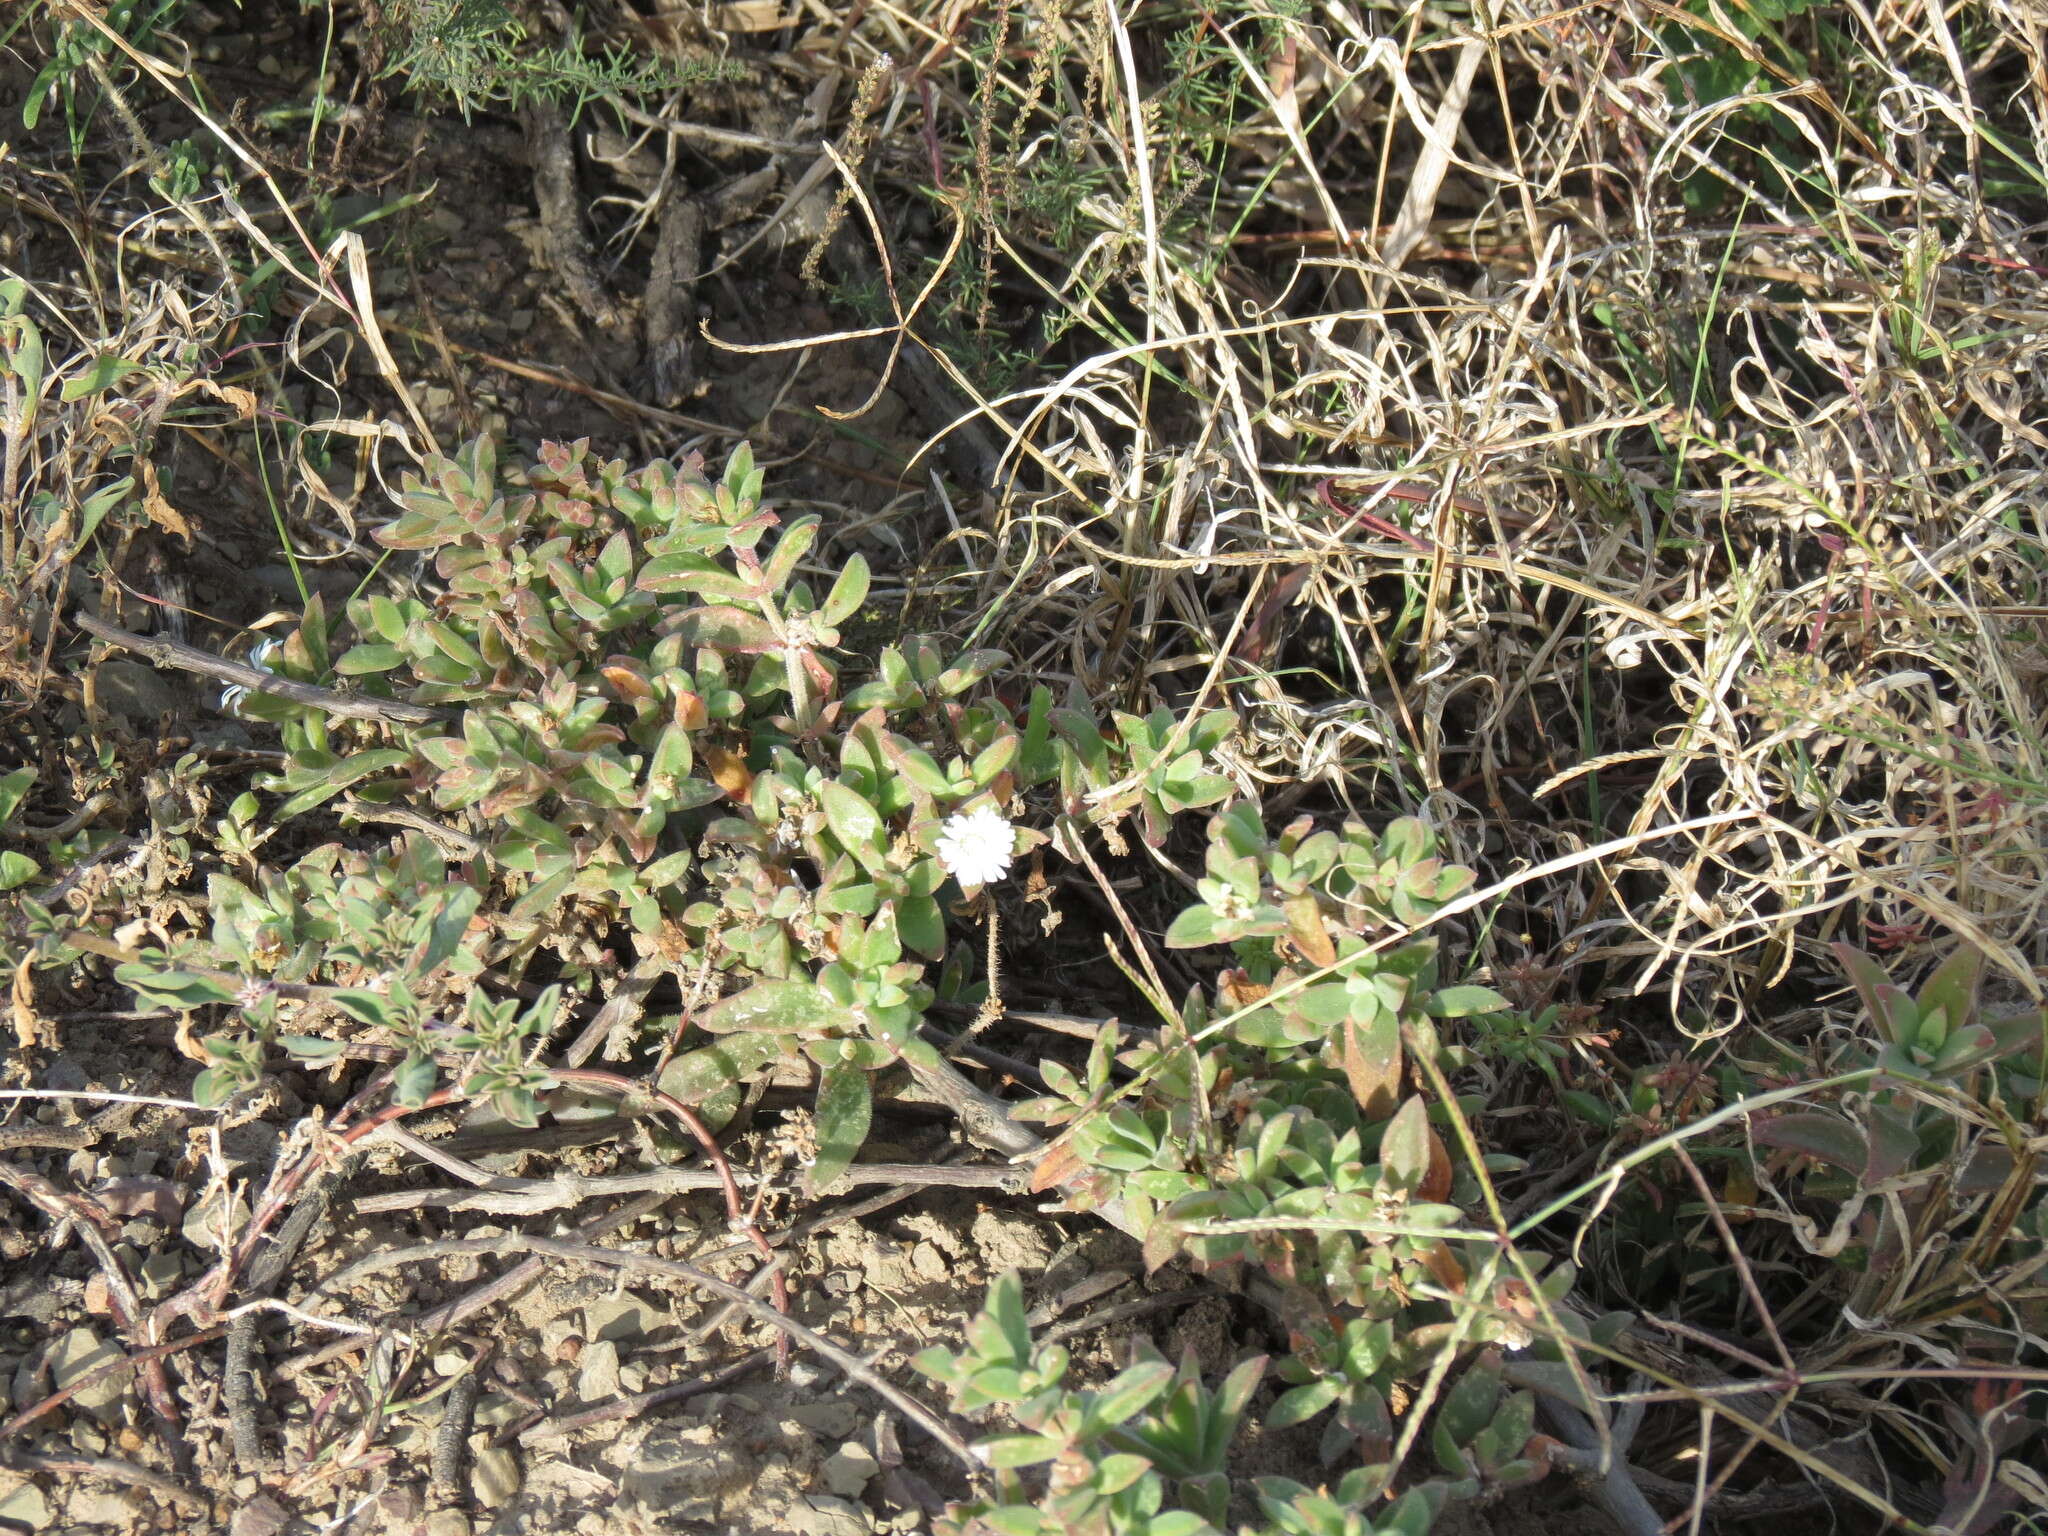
[410, 1438]
[213, 1222]
[133, 690]
[87, 1436]
[684, 1473]
[262, 1515]
[495, 1411]
[848, 1470]
[77, 1355]
[24, 1505]
[598, 1379]
[103, 1506]
[66, 1074]
[835, 1420]
[622, 1318]
[160, 1272]
[822, 1515]
[447, 1522]
[928, 1263]
[494, 1476]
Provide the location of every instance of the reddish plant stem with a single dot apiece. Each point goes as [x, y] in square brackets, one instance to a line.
[135, 1360]
[206, 1299]
[735, 1207]
[931, 133]
[285, 1189]
[93, 1224]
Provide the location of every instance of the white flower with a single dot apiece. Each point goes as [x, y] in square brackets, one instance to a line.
[231, 697]
[975, 847]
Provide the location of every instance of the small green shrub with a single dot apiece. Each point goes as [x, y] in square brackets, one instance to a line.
[645, 723]
[1930, 1135]
[624, 693]
[480, 53]
[1147, 1453]
[1267, 1132]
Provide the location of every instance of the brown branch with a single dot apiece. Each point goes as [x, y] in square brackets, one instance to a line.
[91, 1222]
[469, 1303]
[459, 845]
[532, 1197]
[735, 1208]
[984, 1117]
[238, 1382]
[185, 658]
[122, 1367]
[850, 1365]
[451, 1440]
[626, 1407]
[566, 241]
[111, 1468]
[621, 1010]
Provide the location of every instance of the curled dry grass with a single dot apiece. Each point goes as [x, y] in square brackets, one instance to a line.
[1721, 510]
[1514, 437]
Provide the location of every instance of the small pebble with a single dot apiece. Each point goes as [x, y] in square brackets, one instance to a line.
[77, 1355]
[833, 1420]
[102, 1506]
[494, 1476]
[848, 1469]
[161, 1271]
[598, 1379]
[623, 1318]
[24, 1505]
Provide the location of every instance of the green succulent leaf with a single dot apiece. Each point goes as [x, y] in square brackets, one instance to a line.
[1464, 1001]
[1824, 1137]
[13, 787]
[695, 1076]
[17, 869]
[172, 988]
[781, 1008]
[855, 822]
[1304, 1402]
[414, 1081]
[848, 592]
[845, 1107]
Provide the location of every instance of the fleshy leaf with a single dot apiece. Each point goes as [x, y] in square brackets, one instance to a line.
[1823, 1137]
[845, 1107]
[778, 1007]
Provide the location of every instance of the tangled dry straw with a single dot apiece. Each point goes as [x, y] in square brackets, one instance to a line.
[1691, 511]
